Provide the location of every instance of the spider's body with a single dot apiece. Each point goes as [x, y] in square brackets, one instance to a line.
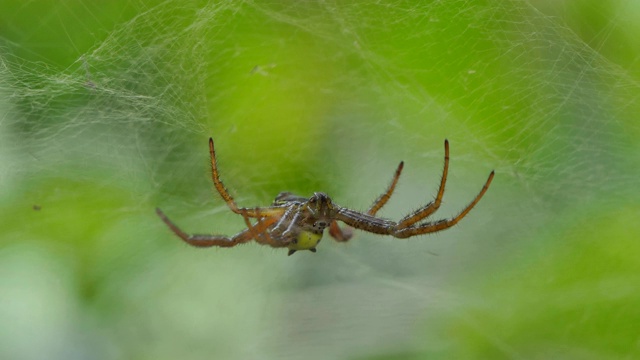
[300, 227]
[298, 223]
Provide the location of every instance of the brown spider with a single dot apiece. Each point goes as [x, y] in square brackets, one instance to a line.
[297, 223]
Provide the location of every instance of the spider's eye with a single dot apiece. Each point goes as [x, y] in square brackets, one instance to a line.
[321, 224]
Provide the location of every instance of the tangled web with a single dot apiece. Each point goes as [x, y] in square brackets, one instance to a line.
[536, 103]
[324, 96]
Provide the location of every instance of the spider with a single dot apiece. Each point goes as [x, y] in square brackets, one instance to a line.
[298, 223]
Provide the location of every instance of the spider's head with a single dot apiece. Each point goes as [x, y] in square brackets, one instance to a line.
[321, 208]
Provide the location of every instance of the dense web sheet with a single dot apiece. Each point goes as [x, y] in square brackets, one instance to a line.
[165, 73]
[312, 96]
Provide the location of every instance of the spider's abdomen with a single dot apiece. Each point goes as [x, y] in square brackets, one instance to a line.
[306, 240]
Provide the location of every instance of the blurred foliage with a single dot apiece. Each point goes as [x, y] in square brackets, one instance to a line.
[106, 107]
[575, 296]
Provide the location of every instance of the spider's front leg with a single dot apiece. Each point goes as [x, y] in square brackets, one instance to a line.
[402, 232]
[344, 234]
[376, 225]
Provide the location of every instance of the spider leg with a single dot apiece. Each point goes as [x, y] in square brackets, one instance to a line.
[377, 225]
[287, 218]
[344, 234]
[205, 240]
[382, 199]
[260, 233]
[439, 225]
[291, 219]
[340, 234]
[431, 207]
[256, 212]
[218, 183]
[365, 222]
[255, 232]
[262, 212]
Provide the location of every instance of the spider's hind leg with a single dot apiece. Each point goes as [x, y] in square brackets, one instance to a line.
[204, 240]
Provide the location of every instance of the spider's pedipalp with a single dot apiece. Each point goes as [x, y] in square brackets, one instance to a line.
[340, 234]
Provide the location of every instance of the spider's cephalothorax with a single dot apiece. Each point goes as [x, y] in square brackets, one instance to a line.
[297, 223]
[303, 222]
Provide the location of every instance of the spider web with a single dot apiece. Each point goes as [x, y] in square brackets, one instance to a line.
[313, 96]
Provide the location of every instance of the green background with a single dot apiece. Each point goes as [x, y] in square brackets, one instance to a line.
[105, 112]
